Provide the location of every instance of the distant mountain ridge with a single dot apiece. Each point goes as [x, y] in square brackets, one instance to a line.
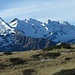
[30, 34]
[53, 30]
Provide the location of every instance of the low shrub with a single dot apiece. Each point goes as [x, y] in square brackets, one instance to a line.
[51, 55]
[7, 53]
[67, 58]
[36, 56]
[65, 45]
[16, 61]
[66, 72]
[45, 55]
[48, 48]
[28, 72]
[2, 66]
[62, 45]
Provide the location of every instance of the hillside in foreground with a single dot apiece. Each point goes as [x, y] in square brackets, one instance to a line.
[39, 62]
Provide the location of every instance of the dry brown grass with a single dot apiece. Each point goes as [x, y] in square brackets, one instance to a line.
[22, 63]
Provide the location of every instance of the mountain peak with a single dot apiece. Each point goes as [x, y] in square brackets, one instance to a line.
[1, 20]
[48, 21]
[34, 21]
[66, 23]
[15, 19]
[31, 19]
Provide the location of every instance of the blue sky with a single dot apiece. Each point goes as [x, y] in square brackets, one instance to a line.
[58, 10]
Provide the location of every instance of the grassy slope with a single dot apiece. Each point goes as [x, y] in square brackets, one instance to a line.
[35, 66]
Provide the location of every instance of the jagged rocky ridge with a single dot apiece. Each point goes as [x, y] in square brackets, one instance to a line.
[29, 43]
[54, 30]
[12, 40]
[19, 35]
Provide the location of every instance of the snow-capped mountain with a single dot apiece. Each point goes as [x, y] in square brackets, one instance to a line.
[6, 34]
[19, 35]
[31, 27]
[14, 39]
[5, 28]
[54, 30]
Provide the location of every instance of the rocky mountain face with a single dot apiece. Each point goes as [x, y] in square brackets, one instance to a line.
[29, 43]
[30, 34]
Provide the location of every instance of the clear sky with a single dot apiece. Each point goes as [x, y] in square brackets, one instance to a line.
[58, 10]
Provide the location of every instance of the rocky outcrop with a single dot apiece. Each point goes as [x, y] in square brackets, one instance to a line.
[30, 43]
